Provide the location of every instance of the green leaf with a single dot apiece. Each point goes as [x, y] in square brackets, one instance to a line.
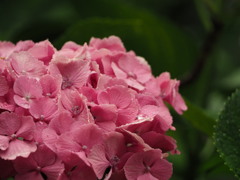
[204, 14]
[164, 46]
[199, 118]
[227, 133]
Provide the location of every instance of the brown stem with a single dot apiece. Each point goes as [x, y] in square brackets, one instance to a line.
[206, 51]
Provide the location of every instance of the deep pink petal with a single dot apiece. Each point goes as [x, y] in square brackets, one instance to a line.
[53, 171]
[7, 169]
[44, 156]
[161, 141]
[29, 176]
[24, 165]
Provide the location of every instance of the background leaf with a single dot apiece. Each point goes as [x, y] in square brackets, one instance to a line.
[227, 133]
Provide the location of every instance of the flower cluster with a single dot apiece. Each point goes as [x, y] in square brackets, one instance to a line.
[85, 112]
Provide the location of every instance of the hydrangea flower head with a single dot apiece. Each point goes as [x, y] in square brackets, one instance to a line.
[91, 111]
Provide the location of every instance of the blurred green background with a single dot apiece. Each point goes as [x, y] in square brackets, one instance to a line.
[197, 41]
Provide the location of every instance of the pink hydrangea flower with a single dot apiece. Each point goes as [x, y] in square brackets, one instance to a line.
[16, 136]
[84, 112]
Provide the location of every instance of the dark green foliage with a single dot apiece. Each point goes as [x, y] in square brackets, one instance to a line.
[227, 133]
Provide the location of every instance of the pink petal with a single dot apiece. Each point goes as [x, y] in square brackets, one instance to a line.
[146, 176]
[112, 43]
[76, 105]
[25, 64]
[3, 86]
[27, 128]
[82, 172]
[18, 148]
[43, 51]
[43, 109]
[9, 123]
[29, 176]
[118, 95]
[74, 73]
[50, 138]
[53, 171]
[128, 114]
[7, 169]
[161, 141]
[24, 165]
[98, 160]
[50, 85]
[105, 116]
[4, 142]
[148, 162]
[44, 156]
[61, 123]
[6, 48]
[87, 136]
[26, 89]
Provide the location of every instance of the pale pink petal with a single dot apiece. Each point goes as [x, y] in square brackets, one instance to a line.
[26, 89]
[98, 160]
[24, 64]
[112, 43]
[43, 51]
[18, 148]
[6, 48]
[23, 45]
[4, 142]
